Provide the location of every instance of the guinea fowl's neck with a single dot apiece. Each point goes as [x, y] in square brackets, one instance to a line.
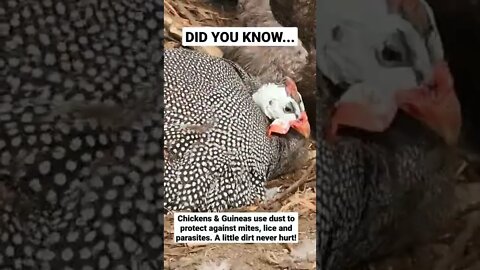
[293, 149]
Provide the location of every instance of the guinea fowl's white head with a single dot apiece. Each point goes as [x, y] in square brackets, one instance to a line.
[283, 105]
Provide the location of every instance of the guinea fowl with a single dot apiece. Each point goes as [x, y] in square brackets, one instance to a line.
[377, 192]
[81, 175]
[218, 154]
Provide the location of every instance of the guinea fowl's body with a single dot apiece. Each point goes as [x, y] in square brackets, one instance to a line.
[80, 135]
[218, 154]
[378, 194]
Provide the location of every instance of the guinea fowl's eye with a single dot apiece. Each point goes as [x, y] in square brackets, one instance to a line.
[391, 55]
[288, 108]
[395, 52]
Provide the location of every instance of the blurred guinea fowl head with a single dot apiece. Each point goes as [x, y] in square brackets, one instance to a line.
[283, 105]
[386, 55]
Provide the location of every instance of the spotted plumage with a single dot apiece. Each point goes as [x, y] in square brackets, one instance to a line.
[377, 194]
[215, 135]
[81, 133]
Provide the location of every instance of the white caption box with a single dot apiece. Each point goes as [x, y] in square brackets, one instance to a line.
[240, 36]
[277, 227]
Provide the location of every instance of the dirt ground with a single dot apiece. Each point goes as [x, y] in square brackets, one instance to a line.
[457, 248]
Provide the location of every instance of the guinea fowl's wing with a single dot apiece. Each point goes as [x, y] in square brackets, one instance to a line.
[209, 178]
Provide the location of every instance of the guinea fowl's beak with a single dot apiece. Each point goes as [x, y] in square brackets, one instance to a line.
[280, 126]
[436, 104]
[301, 125]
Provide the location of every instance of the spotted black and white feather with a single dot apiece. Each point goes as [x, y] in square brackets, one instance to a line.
[81, 171]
